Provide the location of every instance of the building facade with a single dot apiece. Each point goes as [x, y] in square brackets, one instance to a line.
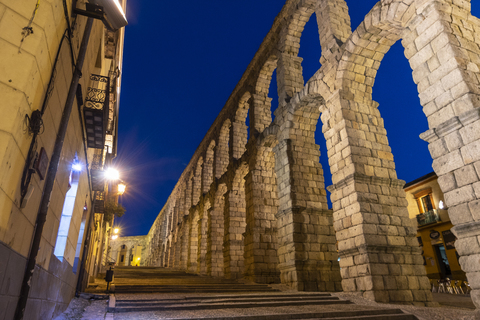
[57, 133]
[427, 209]
[128, 251]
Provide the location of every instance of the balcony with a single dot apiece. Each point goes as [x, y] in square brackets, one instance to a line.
[99, 202]
[96, 172]
[428, 217]
[96, 110]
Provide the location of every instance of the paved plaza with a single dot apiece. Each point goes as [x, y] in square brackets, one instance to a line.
[162, 293]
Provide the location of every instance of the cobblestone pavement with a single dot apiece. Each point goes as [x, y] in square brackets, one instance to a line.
[82, 309]
[423, 313]
[459, 307]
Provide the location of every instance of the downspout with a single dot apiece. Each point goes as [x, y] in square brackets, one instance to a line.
[51, 174]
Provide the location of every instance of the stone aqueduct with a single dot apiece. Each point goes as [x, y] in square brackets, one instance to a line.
[257, 208]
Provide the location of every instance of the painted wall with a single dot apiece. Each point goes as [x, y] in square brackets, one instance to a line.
[430, 255]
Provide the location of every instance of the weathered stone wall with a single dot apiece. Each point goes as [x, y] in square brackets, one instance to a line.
[268, 196]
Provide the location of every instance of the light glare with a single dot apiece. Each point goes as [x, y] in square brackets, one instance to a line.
[112, 174]
[114, 237]
[121, 188]
[441, 205]
[120, 9]
[77, 167]
[116, 230]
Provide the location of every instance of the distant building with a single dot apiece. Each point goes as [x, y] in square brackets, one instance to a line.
[128, 251]
[426, 207]
[51, 161]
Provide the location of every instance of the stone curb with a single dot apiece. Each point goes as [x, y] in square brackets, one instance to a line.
[111, 304]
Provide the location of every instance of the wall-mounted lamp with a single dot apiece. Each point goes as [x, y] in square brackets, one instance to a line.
[109, 11]
[441, 205]
[77, 166]
[121, 187]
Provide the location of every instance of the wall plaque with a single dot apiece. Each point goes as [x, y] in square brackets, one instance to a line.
[41, 164]
[434, 234]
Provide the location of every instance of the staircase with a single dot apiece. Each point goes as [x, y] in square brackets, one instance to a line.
[163, 280]
[171, 294]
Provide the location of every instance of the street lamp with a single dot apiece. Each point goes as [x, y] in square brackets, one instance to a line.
[109, 11]
[112, 174]
[121, 187]
[116, 230]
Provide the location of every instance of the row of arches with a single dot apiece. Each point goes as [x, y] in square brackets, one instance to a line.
[253, 203]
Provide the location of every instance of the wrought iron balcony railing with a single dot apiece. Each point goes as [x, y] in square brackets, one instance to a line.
[96, 110]
[428, 217]
[99, 202]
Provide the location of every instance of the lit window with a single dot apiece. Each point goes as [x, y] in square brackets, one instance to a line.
[427, 203]
[66, 218]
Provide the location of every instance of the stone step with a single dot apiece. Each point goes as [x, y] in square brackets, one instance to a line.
[165, 302]
[375, 314]
[270, 295]
[189, 290]
[222, 305]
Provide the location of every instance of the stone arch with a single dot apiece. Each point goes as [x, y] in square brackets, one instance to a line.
[239, 132]
[197, 182]
[221, 152]
[261, 243]
[262, 114]
[334, 27]
[312, 263]
[370, 215]
[188, 193]
[289, 72]
[235, 224]
[216, 233]
[192, 240]
[202, 237]
[208, 167]
[166, 261]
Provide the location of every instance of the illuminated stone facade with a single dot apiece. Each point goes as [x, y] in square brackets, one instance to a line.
[36, 71]
[254, 205]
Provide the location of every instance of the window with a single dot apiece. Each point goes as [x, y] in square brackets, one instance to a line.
[122, 258]
[424, 200]
[80, 239]
[427, 203]
[66, 218]
[428, 213]
[123, 246]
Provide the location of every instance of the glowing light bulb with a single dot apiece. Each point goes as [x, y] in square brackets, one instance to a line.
[121, 188]
[112, 174]
[77, 167]
[441, 205]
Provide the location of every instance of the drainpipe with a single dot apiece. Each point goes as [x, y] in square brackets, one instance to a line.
[51, 174]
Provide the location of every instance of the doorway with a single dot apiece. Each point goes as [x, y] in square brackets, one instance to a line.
[442, 261]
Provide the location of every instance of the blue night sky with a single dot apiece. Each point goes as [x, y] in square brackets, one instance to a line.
[182, 61]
